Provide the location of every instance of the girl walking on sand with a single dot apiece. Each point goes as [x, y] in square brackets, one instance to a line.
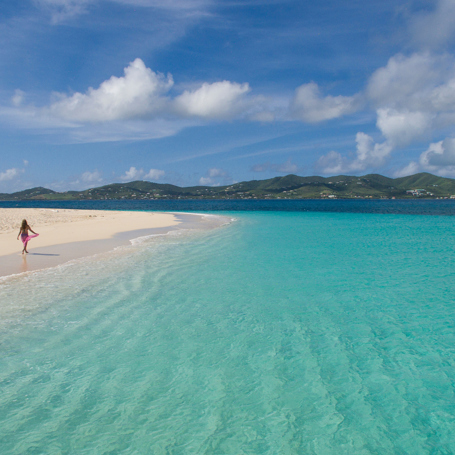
[25, 236]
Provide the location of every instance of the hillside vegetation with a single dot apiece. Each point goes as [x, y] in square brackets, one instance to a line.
[291, 186]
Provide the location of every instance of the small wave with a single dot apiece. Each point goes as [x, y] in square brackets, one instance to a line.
[144, 238]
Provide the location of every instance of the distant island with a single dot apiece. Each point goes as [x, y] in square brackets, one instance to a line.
[375, 186]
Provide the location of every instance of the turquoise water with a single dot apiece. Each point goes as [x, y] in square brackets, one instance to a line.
[282, 333]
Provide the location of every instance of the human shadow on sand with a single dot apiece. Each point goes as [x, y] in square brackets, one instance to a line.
[42, 254]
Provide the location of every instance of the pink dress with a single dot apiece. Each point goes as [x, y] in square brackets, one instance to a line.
[25, 237]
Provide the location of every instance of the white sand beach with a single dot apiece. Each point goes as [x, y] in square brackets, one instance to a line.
[70, 234]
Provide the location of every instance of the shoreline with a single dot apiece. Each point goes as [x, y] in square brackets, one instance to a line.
[67, 234]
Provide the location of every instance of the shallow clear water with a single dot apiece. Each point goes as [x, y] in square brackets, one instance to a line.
[283, 333]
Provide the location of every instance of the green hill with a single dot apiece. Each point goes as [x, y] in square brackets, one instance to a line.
[291, 186]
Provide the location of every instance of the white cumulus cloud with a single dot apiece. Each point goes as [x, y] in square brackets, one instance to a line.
[443, 96]
[138, 94]
[332, 163]
[403, 127]
[414, 96]
[439, 158]
[132, 174]
[414, 99]
[137, 174]
[407, 82]
[421, 82]
[308, 104]
[154, 174]
[135, 106]
[219, 100]
[441, 153]
[368, 155]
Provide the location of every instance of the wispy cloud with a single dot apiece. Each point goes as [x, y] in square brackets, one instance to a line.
[283, 168]
[91, 177]
[17, 98]
[61, 10]
[83, 181]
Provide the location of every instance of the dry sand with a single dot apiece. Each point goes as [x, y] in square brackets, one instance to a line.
[68, 234]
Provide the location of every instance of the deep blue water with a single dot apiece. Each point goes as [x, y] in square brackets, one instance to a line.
[404, 207]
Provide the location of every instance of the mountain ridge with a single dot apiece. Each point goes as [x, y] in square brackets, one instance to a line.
[291, 186]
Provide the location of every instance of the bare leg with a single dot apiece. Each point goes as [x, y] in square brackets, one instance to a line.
[25, 247]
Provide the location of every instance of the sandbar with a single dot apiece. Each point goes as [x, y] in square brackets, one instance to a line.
[66, 234]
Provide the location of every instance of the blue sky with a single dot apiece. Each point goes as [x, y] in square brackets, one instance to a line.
[214, 91]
